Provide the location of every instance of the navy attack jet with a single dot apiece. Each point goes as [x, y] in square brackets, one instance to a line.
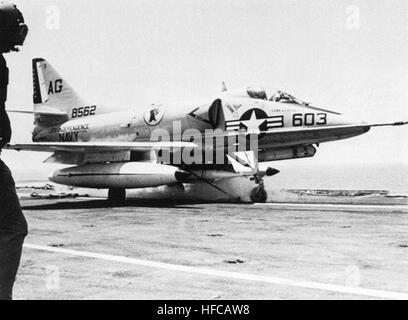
[232, 134]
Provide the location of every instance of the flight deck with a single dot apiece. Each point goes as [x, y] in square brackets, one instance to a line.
[83, 248]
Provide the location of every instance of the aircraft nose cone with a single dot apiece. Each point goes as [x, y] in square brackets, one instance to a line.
[348, 120]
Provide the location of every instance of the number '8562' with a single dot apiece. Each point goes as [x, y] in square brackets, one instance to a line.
[83, 111]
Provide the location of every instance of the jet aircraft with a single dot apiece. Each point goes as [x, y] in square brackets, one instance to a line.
[231, 134]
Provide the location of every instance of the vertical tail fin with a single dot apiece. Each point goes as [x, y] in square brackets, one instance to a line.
[51, 91]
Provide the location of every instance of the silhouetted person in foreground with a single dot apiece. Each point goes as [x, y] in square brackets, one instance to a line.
[13, 226]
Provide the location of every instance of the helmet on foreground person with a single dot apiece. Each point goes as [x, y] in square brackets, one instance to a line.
[13, 30]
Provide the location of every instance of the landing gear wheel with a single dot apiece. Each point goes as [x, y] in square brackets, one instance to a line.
[116, 196]
[258, 194]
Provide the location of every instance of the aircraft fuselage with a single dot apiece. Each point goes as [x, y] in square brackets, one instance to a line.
[266, 118]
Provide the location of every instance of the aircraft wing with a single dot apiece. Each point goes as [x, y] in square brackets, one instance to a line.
[282, 136]
[99, 146]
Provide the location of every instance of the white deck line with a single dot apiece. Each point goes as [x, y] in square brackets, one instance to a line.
[333, 206]
[228, 274]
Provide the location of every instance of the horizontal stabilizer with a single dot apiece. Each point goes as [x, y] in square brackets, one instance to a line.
[48, 111]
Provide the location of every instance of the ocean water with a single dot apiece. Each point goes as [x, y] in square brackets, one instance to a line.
[391, 177]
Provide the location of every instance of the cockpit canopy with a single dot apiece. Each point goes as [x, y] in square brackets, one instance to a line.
[260, 93]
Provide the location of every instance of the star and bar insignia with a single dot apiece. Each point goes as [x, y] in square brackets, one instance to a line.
[255, 121]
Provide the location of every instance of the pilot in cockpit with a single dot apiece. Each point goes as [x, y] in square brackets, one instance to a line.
[277, 96]
[257, 93]
[280, 96]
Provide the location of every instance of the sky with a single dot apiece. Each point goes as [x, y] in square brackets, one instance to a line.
[349, 56]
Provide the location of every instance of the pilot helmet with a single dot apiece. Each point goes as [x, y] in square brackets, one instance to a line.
[257, 93]
[13, 30]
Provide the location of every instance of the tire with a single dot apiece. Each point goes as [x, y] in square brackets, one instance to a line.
[258, 194]
[117, 195]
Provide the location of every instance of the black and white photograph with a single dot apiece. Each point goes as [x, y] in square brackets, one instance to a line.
[216, 151]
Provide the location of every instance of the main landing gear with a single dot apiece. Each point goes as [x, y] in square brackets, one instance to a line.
[117, 196]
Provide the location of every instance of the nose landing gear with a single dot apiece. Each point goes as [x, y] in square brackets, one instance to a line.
[246, 163]
[258, 194]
